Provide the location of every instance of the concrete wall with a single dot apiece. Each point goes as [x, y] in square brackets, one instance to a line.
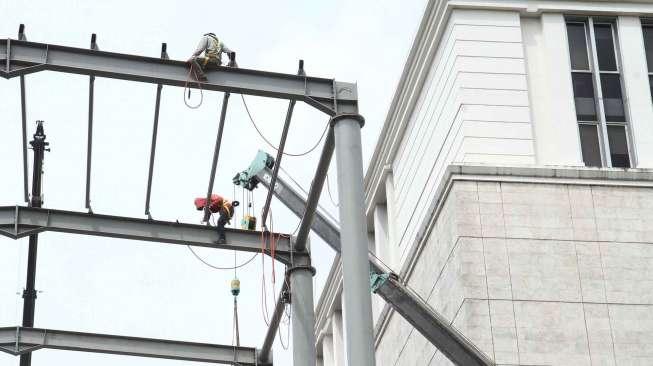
[473, 108]
[537, 274]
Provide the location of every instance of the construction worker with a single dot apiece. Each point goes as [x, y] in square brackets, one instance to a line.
[223, 207]
[213, 49]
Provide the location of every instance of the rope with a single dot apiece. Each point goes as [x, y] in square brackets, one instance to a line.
[221, 268]
[251, 119]
[192, 70]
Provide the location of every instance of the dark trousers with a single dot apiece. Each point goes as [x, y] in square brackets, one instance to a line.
[223, 220]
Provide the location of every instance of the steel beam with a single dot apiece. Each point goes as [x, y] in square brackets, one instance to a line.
[19, 340]
[89, 138]
[282, 145]
[22, 57]
[17, 222]
[315, 191]
[432, 326]
[89, 142]
[23, 114]
[216, 155]
[324, 228]
[284, 298]
[155, 129]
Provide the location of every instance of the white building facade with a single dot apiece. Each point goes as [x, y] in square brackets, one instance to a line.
[511, 186]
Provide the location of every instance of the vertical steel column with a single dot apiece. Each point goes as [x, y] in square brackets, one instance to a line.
[282, 144]
[357, 301]
[29, 294]
[303, 314]
[216, 154]
[89, 138]
[24, 127]
[155, 129]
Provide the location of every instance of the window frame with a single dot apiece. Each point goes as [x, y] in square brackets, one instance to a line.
[648, 23]
[599, 103]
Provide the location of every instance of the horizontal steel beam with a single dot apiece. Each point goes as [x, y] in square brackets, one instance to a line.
[17, 222]
[23, 57]
[20, 340]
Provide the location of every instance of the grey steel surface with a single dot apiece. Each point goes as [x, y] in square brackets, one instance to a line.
[17, 222]
[155, 129]
[23, 115]
[357, 301]
[22, 57]
[89, 141]
[265, 353]
[315, 191]
[303, 315]
[432, 326]
[19, 340]
[216, 155]
[322, 226]
[277, 162]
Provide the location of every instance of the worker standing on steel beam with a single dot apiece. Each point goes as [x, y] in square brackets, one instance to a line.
[213, 49]
[223, 207]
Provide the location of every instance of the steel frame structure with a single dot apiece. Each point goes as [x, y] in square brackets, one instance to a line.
[435, 328]
[336, 99]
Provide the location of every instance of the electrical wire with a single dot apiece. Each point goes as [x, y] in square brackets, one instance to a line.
[221, 268]
[251, 119]
[328, 184]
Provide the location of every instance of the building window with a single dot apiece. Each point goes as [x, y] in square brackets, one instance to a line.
[647, 29]
[596, 79]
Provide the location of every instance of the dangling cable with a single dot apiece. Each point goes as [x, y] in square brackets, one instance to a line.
[192, 70]
[251, 119]
[235, 291]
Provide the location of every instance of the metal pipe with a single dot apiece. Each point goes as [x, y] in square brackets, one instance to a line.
[303, 315]
[155, 129]
[277, 162]
[29, 293]
[89, 141]
[265, 352]
[24, 127]
[315, 191]
[216, 154]
[357, 302]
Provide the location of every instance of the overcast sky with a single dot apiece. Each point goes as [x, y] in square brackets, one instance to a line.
[94, 284]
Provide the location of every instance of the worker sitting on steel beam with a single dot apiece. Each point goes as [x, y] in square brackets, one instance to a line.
[221, 206]
[213, 49]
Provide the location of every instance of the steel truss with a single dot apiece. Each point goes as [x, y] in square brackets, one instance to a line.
[336, 99]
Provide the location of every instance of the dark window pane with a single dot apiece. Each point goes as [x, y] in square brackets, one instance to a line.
[577, 46]
[589, 144]
[612, 101]
[618, 146]
[650, 84]
[584, 96]
[605, 47]
[648, 45]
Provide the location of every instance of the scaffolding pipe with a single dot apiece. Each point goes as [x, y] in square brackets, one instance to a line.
[216, 154]
[357, 301]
